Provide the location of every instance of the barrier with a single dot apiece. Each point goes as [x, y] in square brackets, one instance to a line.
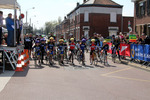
[140, 52]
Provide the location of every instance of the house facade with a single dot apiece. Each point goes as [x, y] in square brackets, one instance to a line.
[142, 16]
[100, 16]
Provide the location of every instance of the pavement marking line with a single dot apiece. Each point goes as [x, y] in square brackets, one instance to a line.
[116, 71]
[129, 78]
[4, 79]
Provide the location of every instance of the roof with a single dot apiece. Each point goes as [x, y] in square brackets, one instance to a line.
[8, 4]
[102, 2]
[98, 3]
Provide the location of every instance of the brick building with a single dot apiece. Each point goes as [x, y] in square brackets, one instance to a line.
[142, 16]
[100, 16]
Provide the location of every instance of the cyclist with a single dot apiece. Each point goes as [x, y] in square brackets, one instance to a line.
[105, 48]
[77, 46]
[43, 49]
[92, 49]
[60, 49]
[37, 50]
[50, 49]
[72, 48]
[82, 48]
[65, 49]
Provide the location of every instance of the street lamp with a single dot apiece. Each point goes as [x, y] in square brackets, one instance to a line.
[27, 14]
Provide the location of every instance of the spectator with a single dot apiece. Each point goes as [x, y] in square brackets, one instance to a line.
[145, 39]
[139, 40]
[101, 38]
[10, 28]
[17, 31]
[1, 24]
[120, 35]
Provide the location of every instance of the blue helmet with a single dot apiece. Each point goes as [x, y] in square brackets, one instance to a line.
[83, 40]
[37, 41]
[43, 39]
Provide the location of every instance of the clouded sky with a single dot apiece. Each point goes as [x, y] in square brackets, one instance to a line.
[47, 10]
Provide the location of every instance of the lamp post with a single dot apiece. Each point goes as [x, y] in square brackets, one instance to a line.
[27, 16]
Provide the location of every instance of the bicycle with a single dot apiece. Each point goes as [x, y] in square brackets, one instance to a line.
[36, 57]
[71, 56]
[114, 55]
[94, 58]
[103, 57]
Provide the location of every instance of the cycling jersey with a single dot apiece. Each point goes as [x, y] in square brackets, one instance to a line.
[61, 48]
[51, 45]
[92, 46]
[82, 46]
[43, 46]
[37, 49]
[72, 46]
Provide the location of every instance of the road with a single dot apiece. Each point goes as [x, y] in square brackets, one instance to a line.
[114, 82]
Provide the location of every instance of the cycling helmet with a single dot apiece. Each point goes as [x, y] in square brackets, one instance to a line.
[83, 40]
[93, 40]
[72, 39]
[42, 39]
[51, 38]
[65, 41]
[61, 40]
[104, 41]
[37, 41]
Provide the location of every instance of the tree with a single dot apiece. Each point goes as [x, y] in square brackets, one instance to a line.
[50, 26]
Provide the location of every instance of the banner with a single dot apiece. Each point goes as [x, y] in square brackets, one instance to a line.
[147, 53]
[134, 51]
[140, 52]
[110, 45]
[132, 38]
[124, 49]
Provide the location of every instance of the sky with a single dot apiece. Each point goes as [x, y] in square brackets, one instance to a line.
[48, 10]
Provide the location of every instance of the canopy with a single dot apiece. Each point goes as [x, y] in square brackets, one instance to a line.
[9, 4]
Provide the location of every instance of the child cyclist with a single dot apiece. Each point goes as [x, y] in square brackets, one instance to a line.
[82, 49]
[72, 48]
[105, 48]
[92, 49]
[37, 51]
[43, 49]
[60, 49]
[50, 49]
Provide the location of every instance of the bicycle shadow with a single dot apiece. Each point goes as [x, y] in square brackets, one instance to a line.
[54, 66]
[37, 67]
[99, 66]
[88, 66]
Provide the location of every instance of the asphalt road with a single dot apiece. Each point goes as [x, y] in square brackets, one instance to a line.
[114, 82]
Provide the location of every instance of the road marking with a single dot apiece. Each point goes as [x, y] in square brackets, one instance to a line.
[116, 71]
[129, 78]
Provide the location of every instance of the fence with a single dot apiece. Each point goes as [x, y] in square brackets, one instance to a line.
[134, 51]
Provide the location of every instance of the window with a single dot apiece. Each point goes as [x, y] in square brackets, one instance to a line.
[86, 16]
[113, 17]
[140, 9]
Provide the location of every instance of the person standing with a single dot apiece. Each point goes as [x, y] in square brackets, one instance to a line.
[17, 31]
[10, 28]
[1, 24]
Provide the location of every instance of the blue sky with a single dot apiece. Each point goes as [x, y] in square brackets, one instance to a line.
[47, 10]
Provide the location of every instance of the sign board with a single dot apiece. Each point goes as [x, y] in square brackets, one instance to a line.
[132, 38]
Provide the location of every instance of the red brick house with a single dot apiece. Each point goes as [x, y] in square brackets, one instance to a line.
[142, 16]
[100, 16]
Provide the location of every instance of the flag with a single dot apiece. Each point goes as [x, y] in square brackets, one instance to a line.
[124, 49]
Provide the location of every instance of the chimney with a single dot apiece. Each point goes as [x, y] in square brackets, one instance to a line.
[78, 4]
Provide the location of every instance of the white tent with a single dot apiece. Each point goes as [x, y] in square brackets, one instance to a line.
[9, 4]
